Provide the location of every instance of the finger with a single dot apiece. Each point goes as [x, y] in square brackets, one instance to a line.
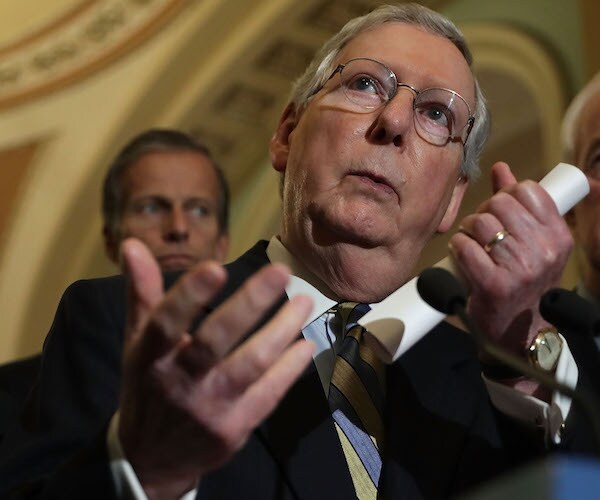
[536, 200]
[256, 356]
[502, 176]
[490, 236]
[237, 316]
[169, 322]
[481, 226]
[145, 287]
[263, 396]
[523, 210]
[475, 265]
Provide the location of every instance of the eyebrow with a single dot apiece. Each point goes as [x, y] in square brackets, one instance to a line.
[150, 197]
[166, 201]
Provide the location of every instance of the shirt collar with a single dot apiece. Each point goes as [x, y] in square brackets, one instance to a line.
[302, 280]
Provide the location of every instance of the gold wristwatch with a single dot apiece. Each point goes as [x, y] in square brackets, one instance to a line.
[545, 349]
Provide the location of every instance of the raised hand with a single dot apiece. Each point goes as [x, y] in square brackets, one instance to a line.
[190, 399]
[511, 251]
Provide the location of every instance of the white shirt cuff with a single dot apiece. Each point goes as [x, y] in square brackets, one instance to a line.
[550, 417]
[127, 484]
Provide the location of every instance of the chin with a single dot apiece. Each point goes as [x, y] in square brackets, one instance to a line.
[354, 234]
[344, 223]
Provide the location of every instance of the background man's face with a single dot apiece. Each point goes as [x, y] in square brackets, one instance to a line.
[170, 203]
[586, 220]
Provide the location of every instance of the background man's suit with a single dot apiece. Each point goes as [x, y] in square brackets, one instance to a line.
[441, 432]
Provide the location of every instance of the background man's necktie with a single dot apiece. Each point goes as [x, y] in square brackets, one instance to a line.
[356, 398]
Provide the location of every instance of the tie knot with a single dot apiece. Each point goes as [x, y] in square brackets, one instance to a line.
[349, 314]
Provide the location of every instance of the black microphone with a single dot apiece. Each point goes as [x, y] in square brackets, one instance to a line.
[567, 310]
[442, 291]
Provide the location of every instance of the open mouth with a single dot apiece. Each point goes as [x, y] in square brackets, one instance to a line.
[374, 181]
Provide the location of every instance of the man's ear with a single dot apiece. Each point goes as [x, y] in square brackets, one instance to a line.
[458, 193]
[111, 245]
[279, 147]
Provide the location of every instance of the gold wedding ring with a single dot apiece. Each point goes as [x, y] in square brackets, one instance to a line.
[499, 236]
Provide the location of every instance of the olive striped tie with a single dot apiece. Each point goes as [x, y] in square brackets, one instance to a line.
[356, 400]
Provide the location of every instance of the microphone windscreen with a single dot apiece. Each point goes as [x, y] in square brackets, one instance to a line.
[441, 290]
[567, 310]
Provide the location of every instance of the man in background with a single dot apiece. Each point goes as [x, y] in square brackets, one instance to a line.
[164, 188]
[581, 147]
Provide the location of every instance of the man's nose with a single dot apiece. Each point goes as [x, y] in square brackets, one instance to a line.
[177, 227]
[395, 119]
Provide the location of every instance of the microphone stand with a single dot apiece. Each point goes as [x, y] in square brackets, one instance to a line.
[457, 304]
[585, 402]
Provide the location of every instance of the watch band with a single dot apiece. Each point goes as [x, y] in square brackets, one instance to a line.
[500, 371]
[545, 349]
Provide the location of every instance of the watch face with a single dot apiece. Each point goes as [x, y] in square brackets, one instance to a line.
[546, 350]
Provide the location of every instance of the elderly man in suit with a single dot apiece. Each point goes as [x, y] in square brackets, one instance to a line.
[581, 147]
[163, 188]
[210, 390]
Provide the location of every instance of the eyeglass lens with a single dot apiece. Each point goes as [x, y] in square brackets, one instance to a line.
[439, 113]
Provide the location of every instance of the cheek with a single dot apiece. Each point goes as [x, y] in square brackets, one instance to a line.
[204, 228]
[135, 227]
[332, 137]
[431, 192]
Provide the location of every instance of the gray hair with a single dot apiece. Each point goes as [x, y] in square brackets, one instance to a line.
[570, 123]
[323, 64]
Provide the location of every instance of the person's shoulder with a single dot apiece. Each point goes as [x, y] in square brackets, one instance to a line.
[247, 264]
[105, 283]
[95, 294]
[251, 260]
[241, 269]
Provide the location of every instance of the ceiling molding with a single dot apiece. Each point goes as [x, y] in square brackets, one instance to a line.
[82, 41]
[46, 30]
[514, 54]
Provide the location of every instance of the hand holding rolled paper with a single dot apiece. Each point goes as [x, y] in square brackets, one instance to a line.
[400, 320]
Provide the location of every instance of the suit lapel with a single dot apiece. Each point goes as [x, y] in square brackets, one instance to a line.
[302, 439]
[300, 434]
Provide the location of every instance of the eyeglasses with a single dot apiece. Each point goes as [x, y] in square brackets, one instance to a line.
[440, 115]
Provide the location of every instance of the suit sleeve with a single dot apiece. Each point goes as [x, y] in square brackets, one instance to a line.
[61, 433]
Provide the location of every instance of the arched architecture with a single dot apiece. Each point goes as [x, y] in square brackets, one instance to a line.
[79, 78]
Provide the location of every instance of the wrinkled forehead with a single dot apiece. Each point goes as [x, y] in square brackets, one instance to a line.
[417, 57]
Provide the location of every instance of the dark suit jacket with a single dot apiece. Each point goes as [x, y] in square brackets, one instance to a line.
[16, 381]
[442, 435]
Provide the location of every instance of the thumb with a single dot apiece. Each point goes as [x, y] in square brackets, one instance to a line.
[502, 176]
[145, 285]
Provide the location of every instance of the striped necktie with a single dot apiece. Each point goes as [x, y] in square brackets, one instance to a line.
[356, 400]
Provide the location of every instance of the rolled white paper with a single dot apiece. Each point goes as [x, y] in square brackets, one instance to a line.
[566, 185]
[403, 318]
